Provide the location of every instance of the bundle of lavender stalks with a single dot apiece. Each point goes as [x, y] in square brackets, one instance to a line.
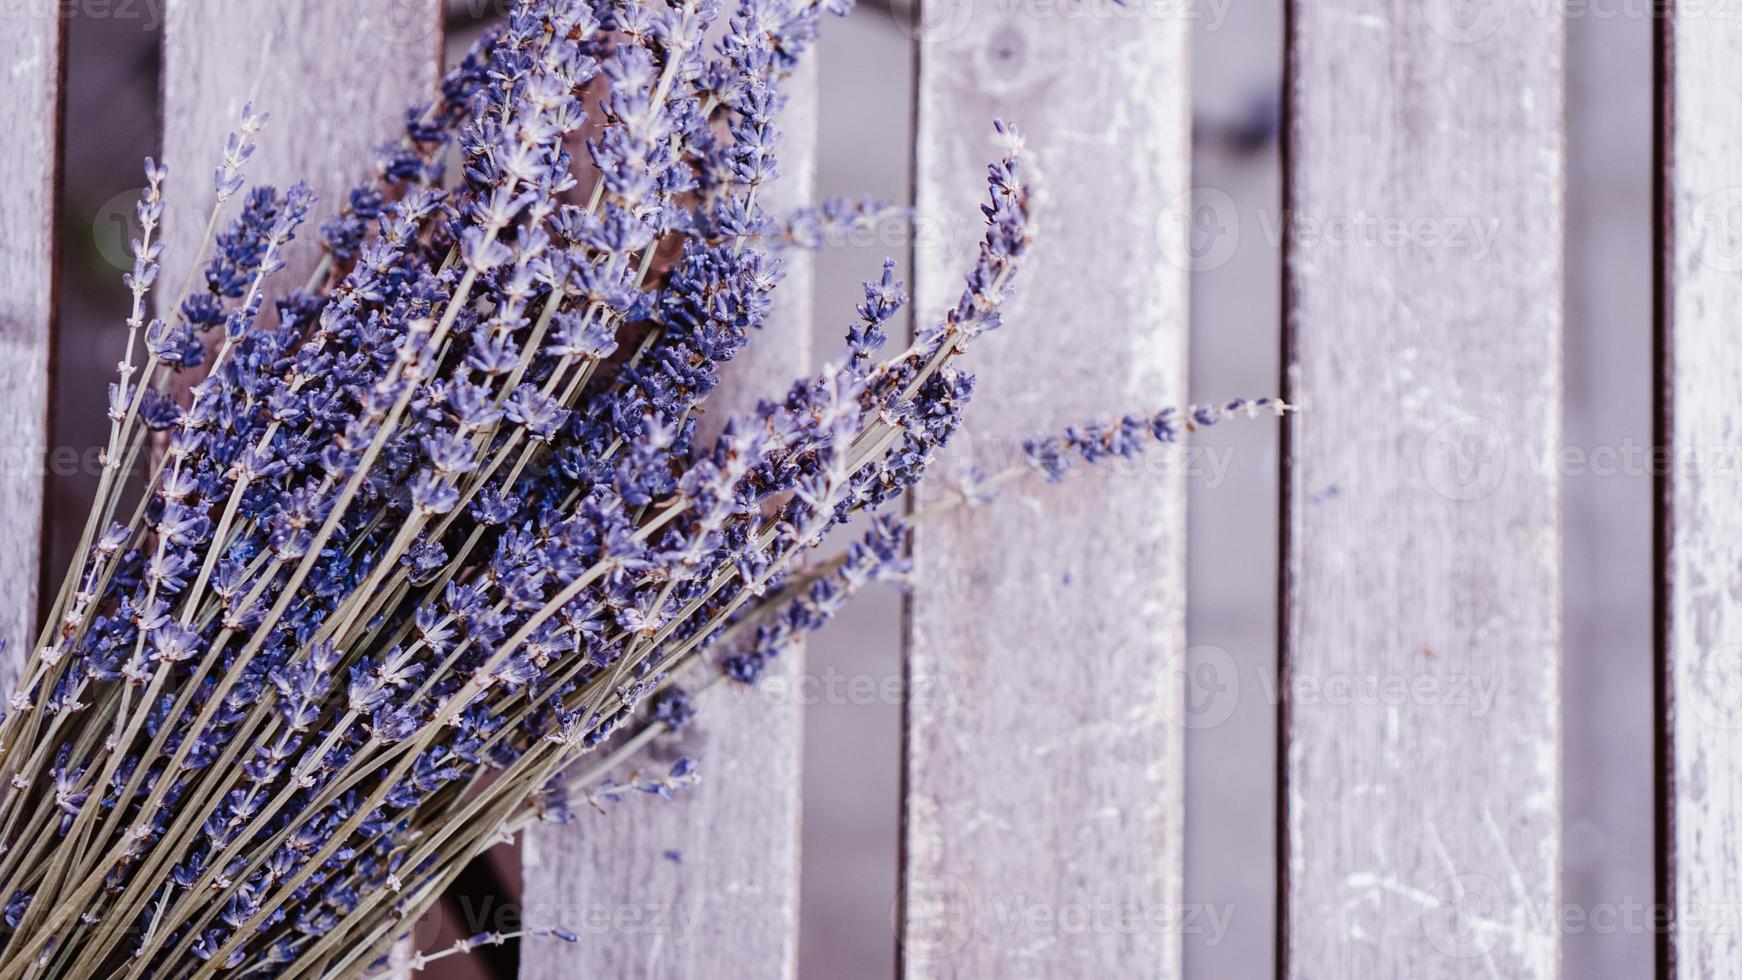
[436, 535]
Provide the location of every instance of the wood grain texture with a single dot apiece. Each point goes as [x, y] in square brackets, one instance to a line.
[336, 77]
[705, 885]
[1043, 817]
[1701, 518]
[30, 74]
[1422, 541]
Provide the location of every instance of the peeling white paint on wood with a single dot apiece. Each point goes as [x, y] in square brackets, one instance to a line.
[1702, 516]
[1423, 822]
[1058, 611]
[725, 903]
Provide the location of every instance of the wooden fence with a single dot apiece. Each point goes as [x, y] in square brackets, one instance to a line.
[1415, 843]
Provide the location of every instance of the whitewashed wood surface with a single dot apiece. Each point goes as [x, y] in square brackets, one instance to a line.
[30, 68]
[1422, 562]
[1701, 509]
[1048, 788]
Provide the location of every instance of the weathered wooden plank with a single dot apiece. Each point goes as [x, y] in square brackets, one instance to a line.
[1422, 542]
[336, 77]
[705, 885]
[1700, 515]
[1043, 818]
[30, 53]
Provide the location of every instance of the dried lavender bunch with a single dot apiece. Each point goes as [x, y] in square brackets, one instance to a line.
[429, 532]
